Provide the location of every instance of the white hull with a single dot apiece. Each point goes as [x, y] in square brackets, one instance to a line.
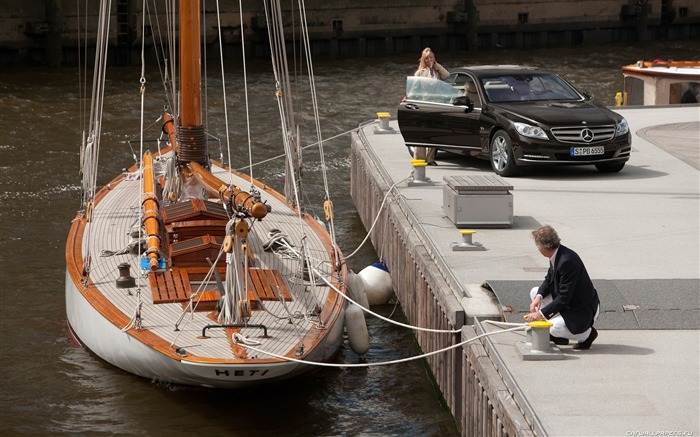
[122, 350]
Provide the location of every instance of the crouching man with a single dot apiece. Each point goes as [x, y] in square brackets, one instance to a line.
[566, 297]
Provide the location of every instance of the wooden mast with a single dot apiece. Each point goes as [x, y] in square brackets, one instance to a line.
[191, 136]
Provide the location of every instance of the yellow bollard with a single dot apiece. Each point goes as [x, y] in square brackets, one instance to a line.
[383, 122]
[540, 335]
[418, 170]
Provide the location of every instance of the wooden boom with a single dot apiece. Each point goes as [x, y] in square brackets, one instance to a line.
[241, 201]
[150, 212]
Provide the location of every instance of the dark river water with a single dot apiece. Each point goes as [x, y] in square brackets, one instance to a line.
[49, 386]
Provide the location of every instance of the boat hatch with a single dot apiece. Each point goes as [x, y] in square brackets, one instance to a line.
[193, 209]
[265, 285]
[169, 286]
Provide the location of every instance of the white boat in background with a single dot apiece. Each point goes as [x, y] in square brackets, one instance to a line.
[659, 83]
[184, 271]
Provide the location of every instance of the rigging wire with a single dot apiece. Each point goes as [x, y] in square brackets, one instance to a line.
[245, 91]
[291, 140]
[281, 156]
[136, 319]
[223, 89]
[91, 146]
[171, 26]
[158, 43]
[290, 132]
[82, 78]
[317, 118]
[82, 88]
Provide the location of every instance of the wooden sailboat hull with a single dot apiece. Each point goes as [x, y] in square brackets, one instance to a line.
[99, 313]
[122, 350]
[183, 271]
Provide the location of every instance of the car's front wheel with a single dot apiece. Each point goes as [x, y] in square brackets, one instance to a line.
[502, 159]
[610, 167]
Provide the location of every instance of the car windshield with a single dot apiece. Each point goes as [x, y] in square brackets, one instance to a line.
[528, 87]
[430, 90]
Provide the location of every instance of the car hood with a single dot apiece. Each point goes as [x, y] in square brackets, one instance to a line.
[551, 113]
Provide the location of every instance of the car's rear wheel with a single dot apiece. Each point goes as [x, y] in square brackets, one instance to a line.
[610, 167]
[502, 159]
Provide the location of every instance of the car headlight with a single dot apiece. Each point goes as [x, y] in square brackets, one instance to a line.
[530, 131]
[622, 128]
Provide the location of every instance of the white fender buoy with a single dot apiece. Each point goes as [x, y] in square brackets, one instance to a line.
[356, 289]
[377, 281]
[357, 329]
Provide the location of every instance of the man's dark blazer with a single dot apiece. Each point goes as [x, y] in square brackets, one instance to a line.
[573, 294]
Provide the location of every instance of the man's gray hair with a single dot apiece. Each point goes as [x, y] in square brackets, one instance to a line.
[546, 237]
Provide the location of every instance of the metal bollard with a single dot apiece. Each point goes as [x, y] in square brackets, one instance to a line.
[383, 121]
[538, 347]
[540, 335]
[467, 235]
[418, 169]
[467, 243]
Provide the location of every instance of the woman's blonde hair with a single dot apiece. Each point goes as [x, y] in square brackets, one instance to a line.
[424, 54]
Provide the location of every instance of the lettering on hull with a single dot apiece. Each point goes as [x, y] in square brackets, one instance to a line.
[242, 373]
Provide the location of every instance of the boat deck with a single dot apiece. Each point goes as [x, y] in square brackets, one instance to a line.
[110, 232]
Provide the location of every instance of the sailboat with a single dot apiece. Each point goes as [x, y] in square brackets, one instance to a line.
[184, 271]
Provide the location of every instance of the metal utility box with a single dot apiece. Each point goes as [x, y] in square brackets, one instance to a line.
[478, 201]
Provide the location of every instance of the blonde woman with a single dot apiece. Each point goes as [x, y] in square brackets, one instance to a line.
[428, 67]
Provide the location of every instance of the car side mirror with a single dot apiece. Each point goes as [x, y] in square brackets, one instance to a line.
[463, 101]
[587, 95]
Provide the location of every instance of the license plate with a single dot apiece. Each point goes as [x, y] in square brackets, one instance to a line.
[587, 151]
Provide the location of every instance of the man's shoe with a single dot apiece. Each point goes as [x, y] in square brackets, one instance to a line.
[559, 341]
[585, 345]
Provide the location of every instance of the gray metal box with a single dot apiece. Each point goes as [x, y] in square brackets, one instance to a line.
[477, 201]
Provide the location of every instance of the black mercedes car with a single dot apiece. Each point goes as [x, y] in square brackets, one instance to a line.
[514, 116]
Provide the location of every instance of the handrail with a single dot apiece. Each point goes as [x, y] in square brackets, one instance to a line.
[236, 325]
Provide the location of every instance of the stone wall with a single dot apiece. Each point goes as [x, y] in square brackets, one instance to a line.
[351, 28]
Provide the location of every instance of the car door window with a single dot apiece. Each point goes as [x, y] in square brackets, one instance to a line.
[431, 90]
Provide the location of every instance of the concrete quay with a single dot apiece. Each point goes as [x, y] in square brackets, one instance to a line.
[637, 231]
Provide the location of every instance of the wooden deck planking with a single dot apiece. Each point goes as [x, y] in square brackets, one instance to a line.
[110, 228]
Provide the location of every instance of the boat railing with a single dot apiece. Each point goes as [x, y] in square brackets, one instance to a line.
[235, 325]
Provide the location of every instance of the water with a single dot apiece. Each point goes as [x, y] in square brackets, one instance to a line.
[51, 387]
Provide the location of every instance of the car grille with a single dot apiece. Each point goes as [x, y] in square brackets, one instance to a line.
[575, 134]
